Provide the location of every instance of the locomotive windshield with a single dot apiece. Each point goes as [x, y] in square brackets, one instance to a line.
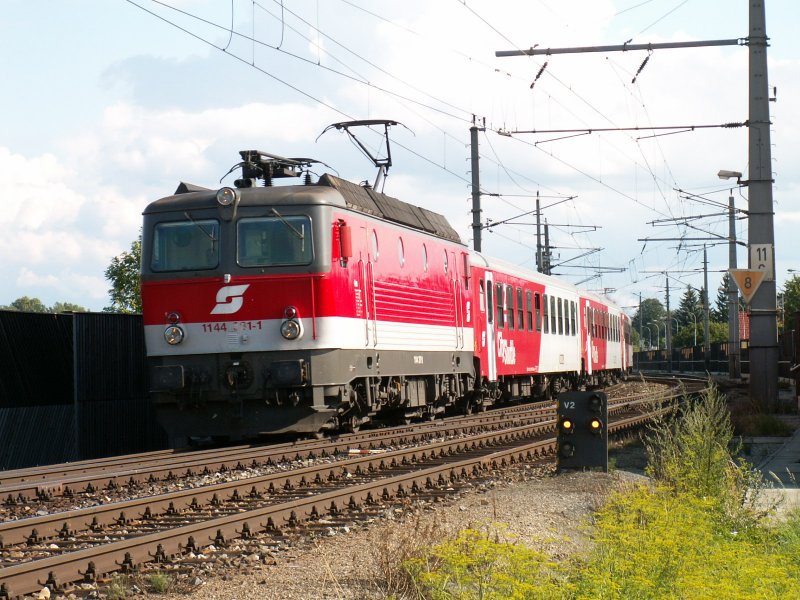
[191, 245]
[274, 241]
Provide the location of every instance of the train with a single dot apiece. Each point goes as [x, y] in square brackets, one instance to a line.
[324, 305]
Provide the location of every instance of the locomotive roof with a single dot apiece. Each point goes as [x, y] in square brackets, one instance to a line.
[356, 197]
[368, 201]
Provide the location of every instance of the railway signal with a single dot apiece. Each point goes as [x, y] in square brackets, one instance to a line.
[582, 430]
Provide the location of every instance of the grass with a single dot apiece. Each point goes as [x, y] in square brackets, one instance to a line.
[159, 581]
[695, 531]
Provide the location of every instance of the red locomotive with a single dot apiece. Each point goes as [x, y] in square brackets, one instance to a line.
[325, 305]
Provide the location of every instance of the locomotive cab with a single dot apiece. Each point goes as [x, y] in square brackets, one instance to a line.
[230, 285]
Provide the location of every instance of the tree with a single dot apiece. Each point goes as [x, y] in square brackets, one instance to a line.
[61, 307]
[720, 310]
[690, 307]
[26, 304]
[718, 332]
[650, 310]
[791, 297]
[124, 273]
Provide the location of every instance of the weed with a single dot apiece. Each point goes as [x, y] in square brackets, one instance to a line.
[486, 564]
[159, 581]
[118, 588]
[394, 548]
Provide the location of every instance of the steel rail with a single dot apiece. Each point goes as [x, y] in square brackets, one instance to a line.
[124, 554]
[167, 468]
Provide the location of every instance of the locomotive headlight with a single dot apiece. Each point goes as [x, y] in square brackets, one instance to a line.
[291, 330]
[226, 196]
[174, 335]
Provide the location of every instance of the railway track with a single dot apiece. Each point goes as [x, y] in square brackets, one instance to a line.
[309, 480]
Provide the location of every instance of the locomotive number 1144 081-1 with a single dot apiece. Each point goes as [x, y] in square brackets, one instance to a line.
[232, 326]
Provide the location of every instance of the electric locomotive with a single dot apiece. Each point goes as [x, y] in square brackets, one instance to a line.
[301, 307]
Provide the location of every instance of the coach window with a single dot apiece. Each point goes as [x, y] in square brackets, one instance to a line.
[425, 261]
[510, 305]
[520, 310]
[374, 245]
[481, 296]
[489, 303]
[529, 308]
[498, 289]
[574, 312]
[560, 317]
[546, 319]
[537, 303]
[553, 314]
[445, 261]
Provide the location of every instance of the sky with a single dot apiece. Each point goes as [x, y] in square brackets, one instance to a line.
[109, 104]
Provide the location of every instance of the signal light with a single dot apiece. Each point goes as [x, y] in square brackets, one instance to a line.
[566, 449]
[582, 431]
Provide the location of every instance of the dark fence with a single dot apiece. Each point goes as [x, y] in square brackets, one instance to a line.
[72, 387]
[693, 359]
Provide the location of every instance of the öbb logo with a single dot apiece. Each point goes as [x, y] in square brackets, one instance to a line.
[229, 299]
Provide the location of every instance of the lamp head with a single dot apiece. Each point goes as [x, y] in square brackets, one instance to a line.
[723, 174]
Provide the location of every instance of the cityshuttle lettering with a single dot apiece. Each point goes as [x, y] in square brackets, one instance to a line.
[506, 350]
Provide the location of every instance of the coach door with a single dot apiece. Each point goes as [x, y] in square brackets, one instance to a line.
[458, 302]
[367, 284]
[491, 344]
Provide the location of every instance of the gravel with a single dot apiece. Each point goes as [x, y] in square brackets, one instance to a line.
[537, 507]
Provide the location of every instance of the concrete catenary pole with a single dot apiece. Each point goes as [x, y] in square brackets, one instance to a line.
[733, 297]
[706, 302]
[763, 314]
[476, 188]
[539, 264]
[668, 333]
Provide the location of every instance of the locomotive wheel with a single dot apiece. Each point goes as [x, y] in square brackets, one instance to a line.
[350, 424]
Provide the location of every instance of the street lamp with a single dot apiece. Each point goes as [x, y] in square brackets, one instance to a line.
[723, 174]
[650, 337]
[658, 334]
[734, 361]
